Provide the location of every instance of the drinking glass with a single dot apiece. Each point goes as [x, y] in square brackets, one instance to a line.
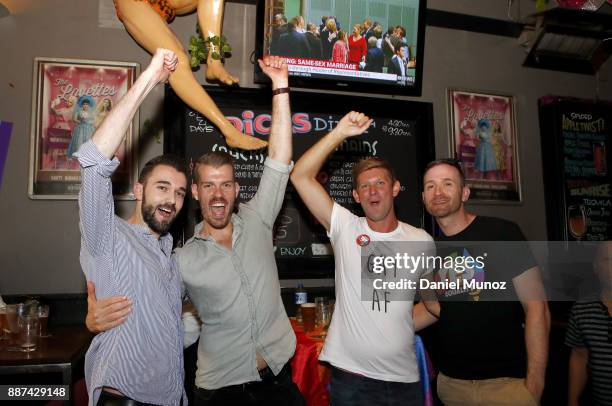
[13, 313]
[308, 316]
[3, 324]
[321, 312]
[43, 317]
[28, 333]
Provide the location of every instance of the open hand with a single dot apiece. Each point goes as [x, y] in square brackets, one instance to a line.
[105, 314]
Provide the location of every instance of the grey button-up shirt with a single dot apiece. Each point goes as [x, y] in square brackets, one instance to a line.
[143, 357]
[237, 292]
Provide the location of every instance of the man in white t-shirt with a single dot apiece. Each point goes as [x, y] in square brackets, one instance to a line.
[370, 343]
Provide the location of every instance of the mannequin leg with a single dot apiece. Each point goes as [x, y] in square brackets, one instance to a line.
[150, 31]
[210, 17]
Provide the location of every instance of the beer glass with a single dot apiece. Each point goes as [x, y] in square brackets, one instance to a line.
[28, 332]
[43, 317]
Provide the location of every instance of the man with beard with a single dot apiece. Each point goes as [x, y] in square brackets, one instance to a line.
[493, 345]
[141, 360]
[229, 270]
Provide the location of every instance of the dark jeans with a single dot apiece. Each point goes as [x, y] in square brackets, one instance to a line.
[355, 390]
[271, 391]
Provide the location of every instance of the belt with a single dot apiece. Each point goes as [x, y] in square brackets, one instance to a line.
[112, 399]
[266, 375]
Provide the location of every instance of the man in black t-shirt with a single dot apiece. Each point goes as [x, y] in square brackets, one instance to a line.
[486, 356]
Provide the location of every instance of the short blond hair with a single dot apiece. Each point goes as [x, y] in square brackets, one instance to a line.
[372, 162]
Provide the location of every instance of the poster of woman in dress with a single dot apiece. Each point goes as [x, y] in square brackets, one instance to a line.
[484, 140]
[71, 99]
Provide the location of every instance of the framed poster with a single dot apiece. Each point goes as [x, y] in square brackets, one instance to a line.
[70, 98]
[484, 139]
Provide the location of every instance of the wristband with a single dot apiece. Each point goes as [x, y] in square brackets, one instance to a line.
[280, 90]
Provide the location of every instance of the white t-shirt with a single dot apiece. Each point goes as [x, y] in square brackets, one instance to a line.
[374, 339]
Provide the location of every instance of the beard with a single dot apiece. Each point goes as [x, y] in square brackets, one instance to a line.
[148, 215]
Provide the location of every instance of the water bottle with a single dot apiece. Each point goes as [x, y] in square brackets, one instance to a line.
[300, 297]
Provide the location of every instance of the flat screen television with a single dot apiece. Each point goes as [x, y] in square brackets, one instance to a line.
[318, 38]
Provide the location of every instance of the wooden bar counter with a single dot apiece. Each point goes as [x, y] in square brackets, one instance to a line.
[59, 353]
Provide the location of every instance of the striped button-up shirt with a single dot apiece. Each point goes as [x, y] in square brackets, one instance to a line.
[237, 292]
[143, 357]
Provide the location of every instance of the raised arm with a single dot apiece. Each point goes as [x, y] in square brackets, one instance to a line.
[113, 129]
[271, 190]
[280, 143]
[308, 166]
[96, 205]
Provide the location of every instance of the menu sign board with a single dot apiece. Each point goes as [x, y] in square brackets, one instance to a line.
[576, 152]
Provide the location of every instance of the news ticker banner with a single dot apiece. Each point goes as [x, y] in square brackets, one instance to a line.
[337, 70]
[487, 271]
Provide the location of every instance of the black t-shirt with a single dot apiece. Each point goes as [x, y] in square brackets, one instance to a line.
[480, 331]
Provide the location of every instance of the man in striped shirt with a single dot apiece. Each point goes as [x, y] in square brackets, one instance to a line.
[142, 359]
[229, 270]
[589, 333]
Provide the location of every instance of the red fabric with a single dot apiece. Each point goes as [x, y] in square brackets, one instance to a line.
[310, 376]
[340, 52]
[571, 3]
[357, 49]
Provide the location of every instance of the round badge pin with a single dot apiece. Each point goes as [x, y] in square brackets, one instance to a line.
[363, 240]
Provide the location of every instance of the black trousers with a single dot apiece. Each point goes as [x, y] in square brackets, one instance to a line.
[279, 390]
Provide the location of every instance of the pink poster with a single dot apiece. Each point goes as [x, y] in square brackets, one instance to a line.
[484, 140]
[72, 99]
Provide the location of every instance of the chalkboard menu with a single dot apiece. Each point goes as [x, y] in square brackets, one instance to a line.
[402, 133]
[576, 154]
